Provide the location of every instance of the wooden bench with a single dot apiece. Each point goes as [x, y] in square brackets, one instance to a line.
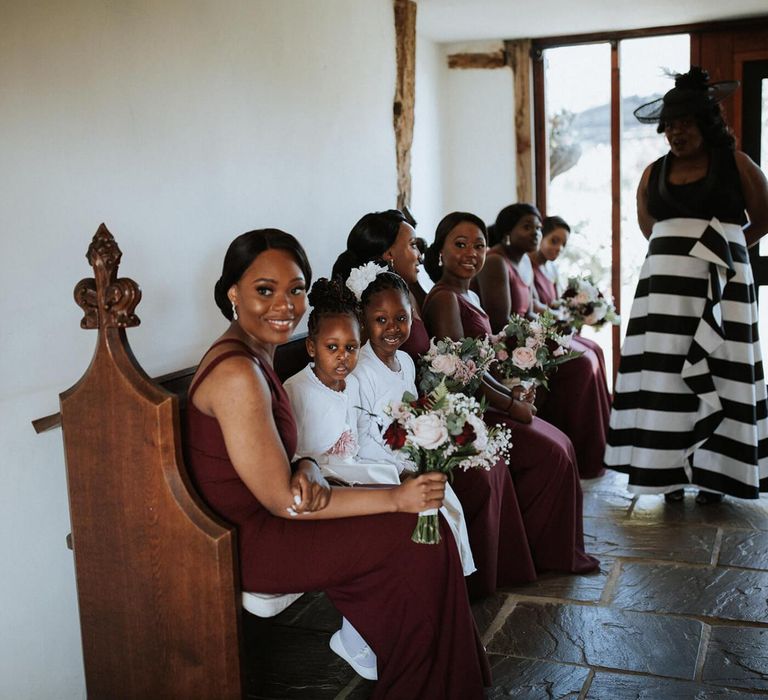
[157, 572]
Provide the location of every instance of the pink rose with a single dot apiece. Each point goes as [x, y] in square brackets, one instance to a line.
[502, 355]
[524, 358]
[444, 364]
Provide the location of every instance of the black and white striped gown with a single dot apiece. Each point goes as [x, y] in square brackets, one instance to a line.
[690, 401]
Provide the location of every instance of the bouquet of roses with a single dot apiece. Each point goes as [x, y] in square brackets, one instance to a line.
[583, 304]
[459, 364]
[440, 432]
[528, 352]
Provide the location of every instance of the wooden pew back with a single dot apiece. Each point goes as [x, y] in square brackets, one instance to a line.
[157, 571]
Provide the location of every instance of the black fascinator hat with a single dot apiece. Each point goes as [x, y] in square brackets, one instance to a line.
[692, 95]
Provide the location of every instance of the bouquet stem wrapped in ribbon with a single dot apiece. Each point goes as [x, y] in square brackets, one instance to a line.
[443, 431]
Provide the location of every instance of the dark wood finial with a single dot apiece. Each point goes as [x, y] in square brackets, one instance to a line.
[108, 302]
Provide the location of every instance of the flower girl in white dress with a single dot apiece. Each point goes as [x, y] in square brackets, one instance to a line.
[326, 403]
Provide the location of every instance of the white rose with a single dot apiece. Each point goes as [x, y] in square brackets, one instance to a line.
[599, 312]
[428, 431]
[559, 351]
[481, 441]
[444, 364]
[524, 358]
[532, 343]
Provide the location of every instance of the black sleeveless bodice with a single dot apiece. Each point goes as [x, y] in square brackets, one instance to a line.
[717, 195]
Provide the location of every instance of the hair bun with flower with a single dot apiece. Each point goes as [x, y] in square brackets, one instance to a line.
[360, 277]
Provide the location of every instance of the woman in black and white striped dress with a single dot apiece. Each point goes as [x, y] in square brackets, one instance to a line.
[690, 404]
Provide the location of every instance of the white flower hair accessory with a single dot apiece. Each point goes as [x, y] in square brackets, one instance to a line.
[360, 277]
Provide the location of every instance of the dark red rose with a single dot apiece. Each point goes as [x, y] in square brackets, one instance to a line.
[568, 293]
[395, 435]
[467, 435]
[421, 402]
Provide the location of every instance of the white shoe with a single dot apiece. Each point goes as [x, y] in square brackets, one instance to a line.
[363, 663]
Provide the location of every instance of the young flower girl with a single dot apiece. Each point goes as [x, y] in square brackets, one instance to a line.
[326, 403]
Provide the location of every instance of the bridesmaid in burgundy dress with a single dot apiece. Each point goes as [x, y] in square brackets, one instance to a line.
[577, 399]
[555, 232]
[542, 462]
[496, 530]
[294, 532]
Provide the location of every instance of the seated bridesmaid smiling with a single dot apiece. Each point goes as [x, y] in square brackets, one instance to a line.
[542, 461]
[294, 532]
[577, 401]
[496, 532]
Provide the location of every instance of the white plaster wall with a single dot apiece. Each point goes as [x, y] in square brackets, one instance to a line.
[478, 138]
[427, 151]
[180, 124]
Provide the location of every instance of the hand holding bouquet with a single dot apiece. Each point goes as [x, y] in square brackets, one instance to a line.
[528, 352]
[459, 364]
[583, 304]
[440, 432]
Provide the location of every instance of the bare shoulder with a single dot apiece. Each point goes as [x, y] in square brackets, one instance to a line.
[440, 296]
[646, 175]
[235, 380]
[747, 167]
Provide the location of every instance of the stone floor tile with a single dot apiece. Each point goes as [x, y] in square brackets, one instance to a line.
[602, 637]
[615, 686]
[588, 588]
[361, 689]
[613, 505]
[315, 613]
[737, 656]
[485, 610]
[524, 679]
[610, 482]
[649, 541]
[288, 662]
[731, 594]
[731, 513]
[747, 549]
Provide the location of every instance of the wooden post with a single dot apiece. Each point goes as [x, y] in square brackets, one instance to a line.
[405, 95]
[519, 57]
[541, 130]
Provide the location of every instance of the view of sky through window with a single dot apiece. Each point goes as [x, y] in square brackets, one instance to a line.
[578, 116]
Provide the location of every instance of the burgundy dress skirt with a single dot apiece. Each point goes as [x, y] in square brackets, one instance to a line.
[494, 521]
[570, 377]
[577, 400]
[408, 600]
[543, 468]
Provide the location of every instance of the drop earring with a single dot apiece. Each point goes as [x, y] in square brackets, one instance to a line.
[440, 260]
[234, 312]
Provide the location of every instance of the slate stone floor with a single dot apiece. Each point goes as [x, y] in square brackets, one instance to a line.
[678, 611]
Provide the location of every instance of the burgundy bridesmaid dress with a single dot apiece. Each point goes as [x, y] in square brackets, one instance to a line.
[408, 600]
[577, 400]
[494, 521]
[543, 468]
